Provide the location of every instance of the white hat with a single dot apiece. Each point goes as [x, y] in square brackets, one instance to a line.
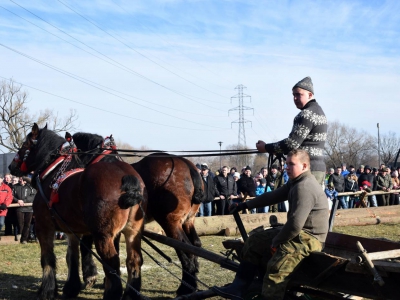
[204, 165]
[237, 174]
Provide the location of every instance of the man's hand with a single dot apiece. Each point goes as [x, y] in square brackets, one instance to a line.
[3, 206]
[21, 202]
[236, 207]
[222, 197]
[261, 146]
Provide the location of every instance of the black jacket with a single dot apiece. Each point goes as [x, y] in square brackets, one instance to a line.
[25, 193]
[246, 185]
[370, 177]
[209, 188]
[338, 182]
[225, 186]
[350, 186]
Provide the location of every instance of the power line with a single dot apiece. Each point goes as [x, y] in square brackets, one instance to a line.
[93, 85]
[218, 75]
[122, 66]
[107, 111]
[135, 50]
[267, 130]
[160, 105]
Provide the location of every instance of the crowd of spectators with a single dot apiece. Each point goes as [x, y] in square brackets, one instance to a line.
[228, 186]
[18, 221]
[367, 178]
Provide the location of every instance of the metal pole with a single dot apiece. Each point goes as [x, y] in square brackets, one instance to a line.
[220, 157]
[379, 146]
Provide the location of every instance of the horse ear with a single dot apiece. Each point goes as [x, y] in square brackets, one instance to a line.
[45, 127]
[35, 129]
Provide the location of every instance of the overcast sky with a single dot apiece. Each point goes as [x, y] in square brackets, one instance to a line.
[161, 74]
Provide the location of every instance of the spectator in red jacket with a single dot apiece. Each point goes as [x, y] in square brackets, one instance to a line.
[6, 197]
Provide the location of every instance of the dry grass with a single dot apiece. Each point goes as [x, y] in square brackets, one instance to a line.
[20, 271]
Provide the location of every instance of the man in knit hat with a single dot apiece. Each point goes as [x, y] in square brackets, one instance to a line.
[308, 131]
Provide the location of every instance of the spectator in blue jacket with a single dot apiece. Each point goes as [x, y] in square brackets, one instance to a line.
[261, 189]
[331, 193]
[345, 172]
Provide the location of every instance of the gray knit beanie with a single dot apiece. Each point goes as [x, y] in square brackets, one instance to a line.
[305, 84]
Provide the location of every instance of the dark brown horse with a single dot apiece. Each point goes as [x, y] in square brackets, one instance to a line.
[175, 191]
[100, 201]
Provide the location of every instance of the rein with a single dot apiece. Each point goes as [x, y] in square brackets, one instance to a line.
[167, 155]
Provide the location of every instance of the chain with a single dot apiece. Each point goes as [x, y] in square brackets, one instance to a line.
[55, 183]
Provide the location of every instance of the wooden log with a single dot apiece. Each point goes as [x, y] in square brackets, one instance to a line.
[217, 225]
[384, 255]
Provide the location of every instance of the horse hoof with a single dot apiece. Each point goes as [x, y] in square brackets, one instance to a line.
[184, 290]
[89, 282]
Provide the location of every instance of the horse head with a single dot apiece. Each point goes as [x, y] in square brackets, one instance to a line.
[18, 165]
[38, 147]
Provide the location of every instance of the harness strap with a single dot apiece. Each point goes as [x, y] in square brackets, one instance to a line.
[101, 156]
[52, 166]
[54, 191]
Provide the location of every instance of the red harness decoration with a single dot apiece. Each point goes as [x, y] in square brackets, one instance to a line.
[101, 156]
[52, 167]
[108, 144]
[54, 192]
[68, 148]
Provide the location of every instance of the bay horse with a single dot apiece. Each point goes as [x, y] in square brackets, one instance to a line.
[175, 192]
[101, 201]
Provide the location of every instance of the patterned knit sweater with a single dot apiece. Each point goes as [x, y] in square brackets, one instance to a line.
[308, 133]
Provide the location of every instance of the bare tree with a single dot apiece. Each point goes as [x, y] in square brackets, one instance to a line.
[15, 120]
[238, 161]
[260, 161]
[348, 145]
[389, 145]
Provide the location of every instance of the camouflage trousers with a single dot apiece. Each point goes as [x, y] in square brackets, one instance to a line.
[279, 266]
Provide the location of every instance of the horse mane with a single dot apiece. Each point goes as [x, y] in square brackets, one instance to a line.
[87, 141]
[48, 144]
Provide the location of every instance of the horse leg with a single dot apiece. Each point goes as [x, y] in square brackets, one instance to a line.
[190, 276]
[45, 233]
[73, 285]
[189, 270]
[134, 261]
[116, 242]
[105, 248]
[89, 269]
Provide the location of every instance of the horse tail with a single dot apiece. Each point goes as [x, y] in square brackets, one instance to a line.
[198, 195]
[130, 192]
